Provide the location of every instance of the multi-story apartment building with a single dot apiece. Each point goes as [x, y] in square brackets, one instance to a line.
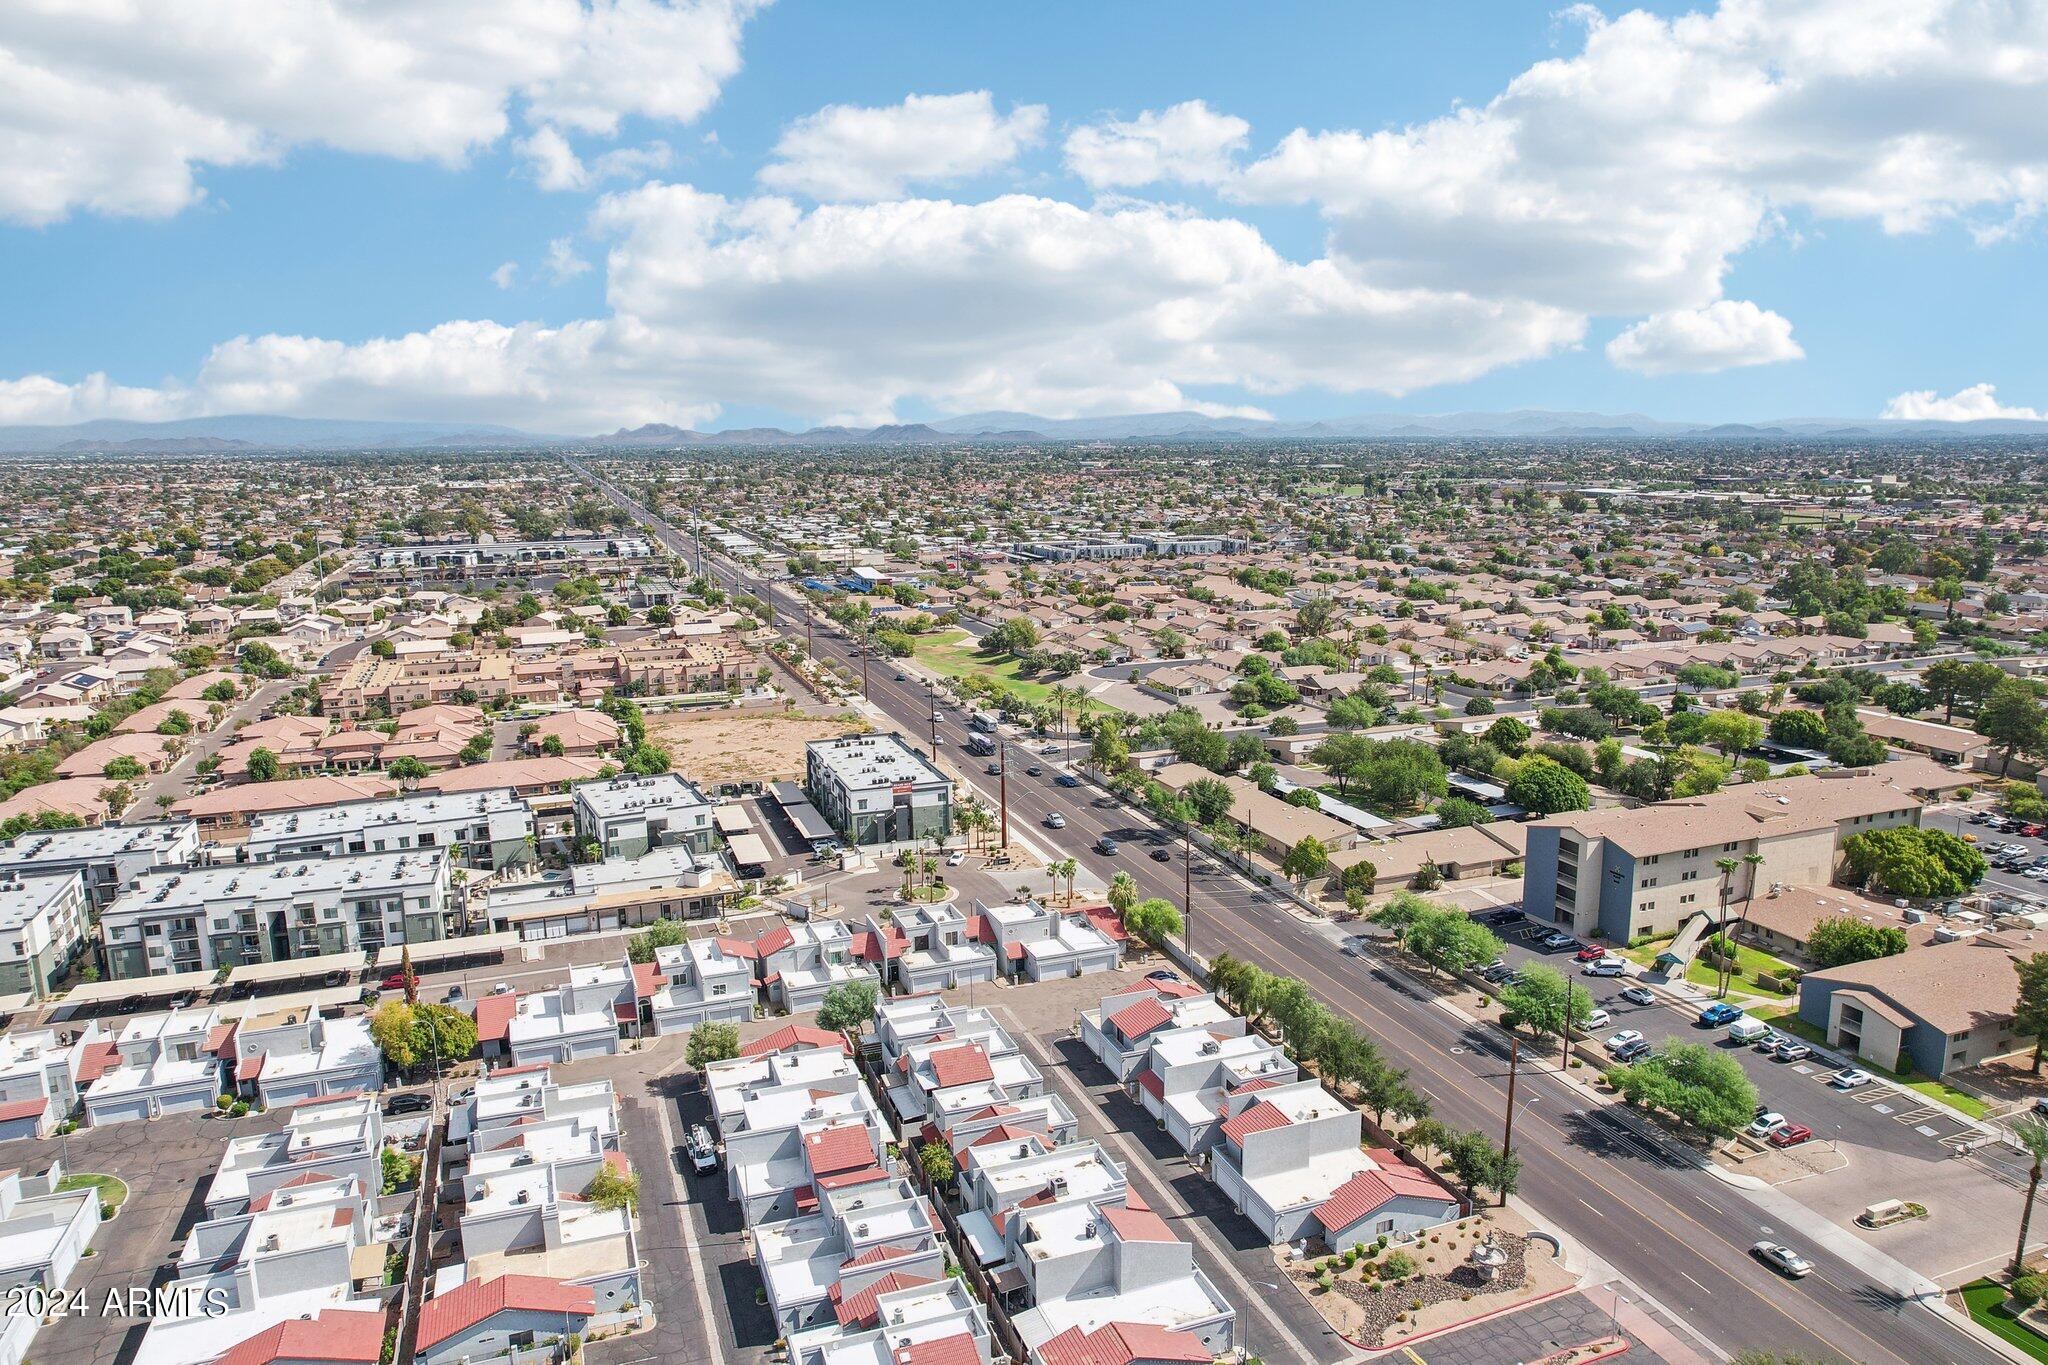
[329, 1139]
[202, 918]
[45, 922]
[925, 948]
[569, 671]
[481, 829]
[1620, 873]
[500, 561]
[111, 857]
[876, 789]
[165, 1064]
[629, 816]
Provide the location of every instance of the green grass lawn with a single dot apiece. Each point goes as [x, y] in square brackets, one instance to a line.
[953, 654]
[113, 1190]
[1982, 1297]
[1748, 962]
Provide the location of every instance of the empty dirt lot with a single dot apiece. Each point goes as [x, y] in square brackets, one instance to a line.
[745, 746]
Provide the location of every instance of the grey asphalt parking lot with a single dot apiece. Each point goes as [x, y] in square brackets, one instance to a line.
[166, 1164]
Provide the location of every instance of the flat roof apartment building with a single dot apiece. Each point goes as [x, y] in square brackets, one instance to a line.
[44, 923]
[629, 816]
[202, 918]
[1621, 873]
[110, 856]
[876, 789]
[481, 829]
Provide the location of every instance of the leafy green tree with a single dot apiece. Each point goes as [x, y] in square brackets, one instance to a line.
[1154, 921]
[2030, 1012]
[2014, 719]
[1507, 735]
[613, 1189]
[1909, 861]
[937, 1163]
[1538, 997]
[406, 770]
[1450, 940]
[263, 765]
[1732, 732]
[122, 769]
[1547, 787]
[398, 1169]
[1307, 860]
[848, 1005]
[1800, 729]
[712, 1042]
[1210, 798]
[1841, 939]
[663, 933]
[1703, 1087]
[1456, 812]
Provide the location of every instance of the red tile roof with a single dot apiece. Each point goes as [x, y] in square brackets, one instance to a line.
[774, 941]
[858, 1309]
[467, 1305]
[1255, 1119]
[842, 1147]
[1123, 1343]
[1152, 1083]
[963, 1065]
[877, 1255]
[839, 1180]
[1134, 1021]
[96, 1060]
[24, 1109]
[494, 1017]
[249, 1068]
[1359, 1196]
[958, 1349]
[1137, 1225]
[646, 979]
[791, 1037]
[333, 1334]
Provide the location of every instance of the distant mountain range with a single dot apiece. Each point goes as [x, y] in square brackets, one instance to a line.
[250, 433]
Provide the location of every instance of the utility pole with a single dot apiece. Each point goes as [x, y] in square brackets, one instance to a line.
[1564, 1063]
[931, 700]
[1507, 1135]
[1003, 786]
[1187, 891]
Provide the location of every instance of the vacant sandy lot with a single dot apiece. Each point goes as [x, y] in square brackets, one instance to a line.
[744, 746]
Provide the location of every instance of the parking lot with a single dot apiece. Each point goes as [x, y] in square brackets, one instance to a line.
[2019, 862]
[1877, 1115]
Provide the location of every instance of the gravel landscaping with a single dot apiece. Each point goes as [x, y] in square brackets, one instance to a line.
[1367, 1308]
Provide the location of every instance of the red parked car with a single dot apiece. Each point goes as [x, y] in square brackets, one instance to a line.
[1790, 1135]
[395, 982]
[2032, 831]
[1592, 952]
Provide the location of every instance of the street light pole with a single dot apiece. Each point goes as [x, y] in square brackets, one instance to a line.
[931, 700]
[1187, 891]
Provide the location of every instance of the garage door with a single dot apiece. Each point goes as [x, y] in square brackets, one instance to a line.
[123, 1111]
[275, 1095]
[186, 1102]
[18, 1128]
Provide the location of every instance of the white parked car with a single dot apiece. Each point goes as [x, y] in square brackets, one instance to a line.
[1766, 1123]
[1639, 995]
[1605, 966]
[1597, 1019]
[956, 860]
[1782, 1259]
[1850, 1078]
[1622, 1040]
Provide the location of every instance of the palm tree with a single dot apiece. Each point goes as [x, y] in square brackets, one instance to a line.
[2032, 1134]
[1726, 954]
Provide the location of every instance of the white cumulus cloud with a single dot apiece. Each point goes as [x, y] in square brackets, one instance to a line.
[554, 164]
[116, 106]
[1977, 403]
[1720, 336]
[853, 309]
[846, 151]
[1189, 142]
[1623, 178]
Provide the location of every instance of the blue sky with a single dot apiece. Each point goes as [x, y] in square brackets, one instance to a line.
[1870, 277]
